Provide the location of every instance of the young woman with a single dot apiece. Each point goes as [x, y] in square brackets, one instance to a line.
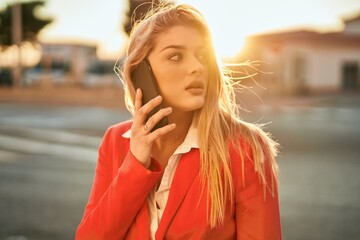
[205, 175]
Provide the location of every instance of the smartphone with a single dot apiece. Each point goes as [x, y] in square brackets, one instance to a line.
[142, 77]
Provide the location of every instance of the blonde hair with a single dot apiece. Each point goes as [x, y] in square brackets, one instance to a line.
[219, 116]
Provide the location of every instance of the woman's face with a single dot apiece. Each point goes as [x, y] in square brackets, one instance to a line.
[178, 61]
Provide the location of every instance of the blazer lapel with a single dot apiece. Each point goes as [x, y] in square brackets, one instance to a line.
[143, 222]
[187, 170]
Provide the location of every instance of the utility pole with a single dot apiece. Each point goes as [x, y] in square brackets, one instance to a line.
[16, 39]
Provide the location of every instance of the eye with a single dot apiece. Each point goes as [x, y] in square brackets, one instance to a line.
[175, 57]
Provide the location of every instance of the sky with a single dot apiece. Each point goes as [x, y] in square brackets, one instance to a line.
[100, 21]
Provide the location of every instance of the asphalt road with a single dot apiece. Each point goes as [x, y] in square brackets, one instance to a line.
[48, 155]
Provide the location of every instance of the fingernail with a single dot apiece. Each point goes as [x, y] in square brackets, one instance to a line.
[158, 98]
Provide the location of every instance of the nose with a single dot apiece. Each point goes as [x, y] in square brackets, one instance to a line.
[195, 66]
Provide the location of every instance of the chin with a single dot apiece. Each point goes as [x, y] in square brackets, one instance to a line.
[194, 105]
[187, 104]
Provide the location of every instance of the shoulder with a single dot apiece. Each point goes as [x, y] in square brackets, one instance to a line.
[240, 150]
[115, 132]
[120, 128]
[253, 140]
[252, 155]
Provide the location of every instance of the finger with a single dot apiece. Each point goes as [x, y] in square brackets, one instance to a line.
[146, 108]
[153, 120]
[137, 106]
[138, 98]
[160, 132]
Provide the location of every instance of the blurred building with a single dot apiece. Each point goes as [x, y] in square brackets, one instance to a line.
[61, 64]
[100, 73]
[306, 61]
[352, 25]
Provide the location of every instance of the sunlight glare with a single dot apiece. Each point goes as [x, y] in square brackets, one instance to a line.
[231, 21]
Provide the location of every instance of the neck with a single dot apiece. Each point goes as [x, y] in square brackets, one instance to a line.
[166, 144]
[183, 122]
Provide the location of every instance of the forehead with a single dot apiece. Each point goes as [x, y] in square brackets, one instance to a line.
[186, 36]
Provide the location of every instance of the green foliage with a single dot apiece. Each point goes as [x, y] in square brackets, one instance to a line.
[31, 24]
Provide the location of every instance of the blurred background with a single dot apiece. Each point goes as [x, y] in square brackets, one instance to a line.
[59, 93]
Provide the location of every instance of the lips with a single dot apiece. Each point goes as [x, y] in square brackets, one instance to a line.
[195, 85]
[195, 88]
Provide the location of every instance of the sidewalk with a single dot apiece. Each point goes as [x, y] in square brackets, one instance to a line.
[114, 98]
[351, 98]
[74, 96]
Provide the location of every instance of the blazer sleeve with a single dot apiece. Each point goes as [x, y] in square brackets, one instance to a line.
[257, 208]
[114, 201]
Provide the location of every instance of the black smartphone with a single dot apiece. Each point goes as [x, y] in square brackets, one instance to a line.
[143, 78]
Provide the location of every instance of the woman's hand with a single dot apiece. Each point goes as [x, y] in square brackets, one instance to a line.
[142, 138]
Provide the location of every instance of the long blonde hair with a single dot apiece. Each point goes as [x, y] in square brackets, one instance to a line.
[219, 116]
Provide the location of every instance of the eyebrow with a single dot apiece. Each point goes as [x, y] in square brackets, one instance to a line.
[173, 46]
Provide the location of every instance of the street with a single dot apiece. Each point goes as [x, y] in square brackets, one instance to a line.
[48, 155]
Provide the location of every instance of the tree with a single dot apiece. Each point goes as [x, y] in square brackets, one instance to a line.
[31, 24]
[137, 10]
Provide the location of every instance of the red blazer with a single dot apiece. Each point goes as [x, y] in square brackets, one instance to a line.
[117, 206]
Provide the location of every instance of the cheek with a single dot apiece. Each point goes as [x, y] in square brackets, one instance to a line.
[168, 81]
[206, 81]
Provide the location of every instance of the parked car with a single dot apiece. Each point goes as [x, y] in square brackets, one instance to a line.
[57, 74]
[101, 74]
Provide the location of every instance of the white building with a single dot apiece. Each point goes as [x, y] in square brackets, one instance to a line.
[305, 61]
[352, 25]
